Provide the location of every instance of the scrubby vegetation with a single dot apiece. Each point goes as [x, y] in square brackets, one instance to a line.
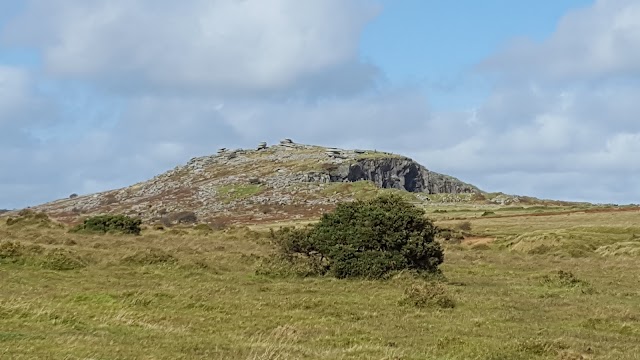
[192, 293]
[431, 294]
[110, 224]
[368, 239]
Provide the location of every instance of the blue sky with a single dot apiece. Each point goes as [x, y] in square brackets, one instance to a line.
[438, 43]
[529, 97]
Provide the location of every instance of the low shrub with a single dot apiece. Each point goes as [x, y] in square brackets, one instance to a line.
[11, 251]
[450, 236]
[110, 223]
[463, 226]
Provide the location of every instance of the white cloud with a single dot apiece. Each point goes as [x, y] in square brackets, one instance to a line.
[591, 44]
[227, 46]
[14, 94]
[193, 76]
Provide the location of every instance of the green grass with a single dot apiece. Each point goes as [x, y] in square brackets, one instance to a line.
[238, 192]
[359, 190]
[195, 295]
[363, 190]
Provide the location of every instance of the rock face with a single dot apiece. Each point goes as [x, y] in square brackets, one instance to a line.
[399, 173]
[284, 181]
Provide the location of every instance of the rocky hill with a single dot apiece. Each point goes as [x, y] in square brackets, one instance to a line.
[284, 181]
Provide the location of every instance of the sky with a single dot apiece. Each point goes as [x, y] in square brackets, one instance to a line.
[526, 97]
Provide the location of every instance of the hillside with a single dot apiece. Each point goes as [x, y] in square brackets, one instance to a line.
[284, 181]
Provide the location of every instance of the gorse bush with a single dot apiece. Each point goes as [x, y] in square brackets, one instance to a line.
[367, 239]
[110, 223]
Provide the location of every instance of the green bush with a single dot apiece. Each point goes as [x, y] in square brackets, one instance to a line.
[110, 223]
[368, 239]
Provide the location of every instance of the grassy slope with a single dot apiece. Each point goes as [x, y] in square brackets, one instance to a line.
[205, 301]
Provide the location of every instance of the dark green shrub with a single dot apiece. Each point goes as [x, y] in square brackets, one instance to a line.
[110, 223]
[368, 239]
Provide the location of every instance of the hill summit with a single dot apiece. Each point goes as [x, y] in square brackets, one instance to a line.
[283, 181]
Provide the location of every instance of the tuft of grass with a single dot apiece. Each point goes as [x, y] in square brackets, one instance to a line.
[288, 266]
[625, 248]
[427, 294]
[152, 256]
[11, 251]
[61, 260]
[563, 279]
[463, 226]
[203, 228]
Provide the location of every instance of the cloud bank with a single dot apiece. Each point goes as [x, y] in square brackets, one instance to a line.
[128, 89]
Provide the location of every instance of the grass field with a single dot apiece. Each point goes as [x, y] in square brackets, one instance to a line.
[537, 283]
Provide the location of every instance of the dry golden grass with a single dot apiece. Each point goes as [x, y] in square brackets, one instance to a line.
[188, 294]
